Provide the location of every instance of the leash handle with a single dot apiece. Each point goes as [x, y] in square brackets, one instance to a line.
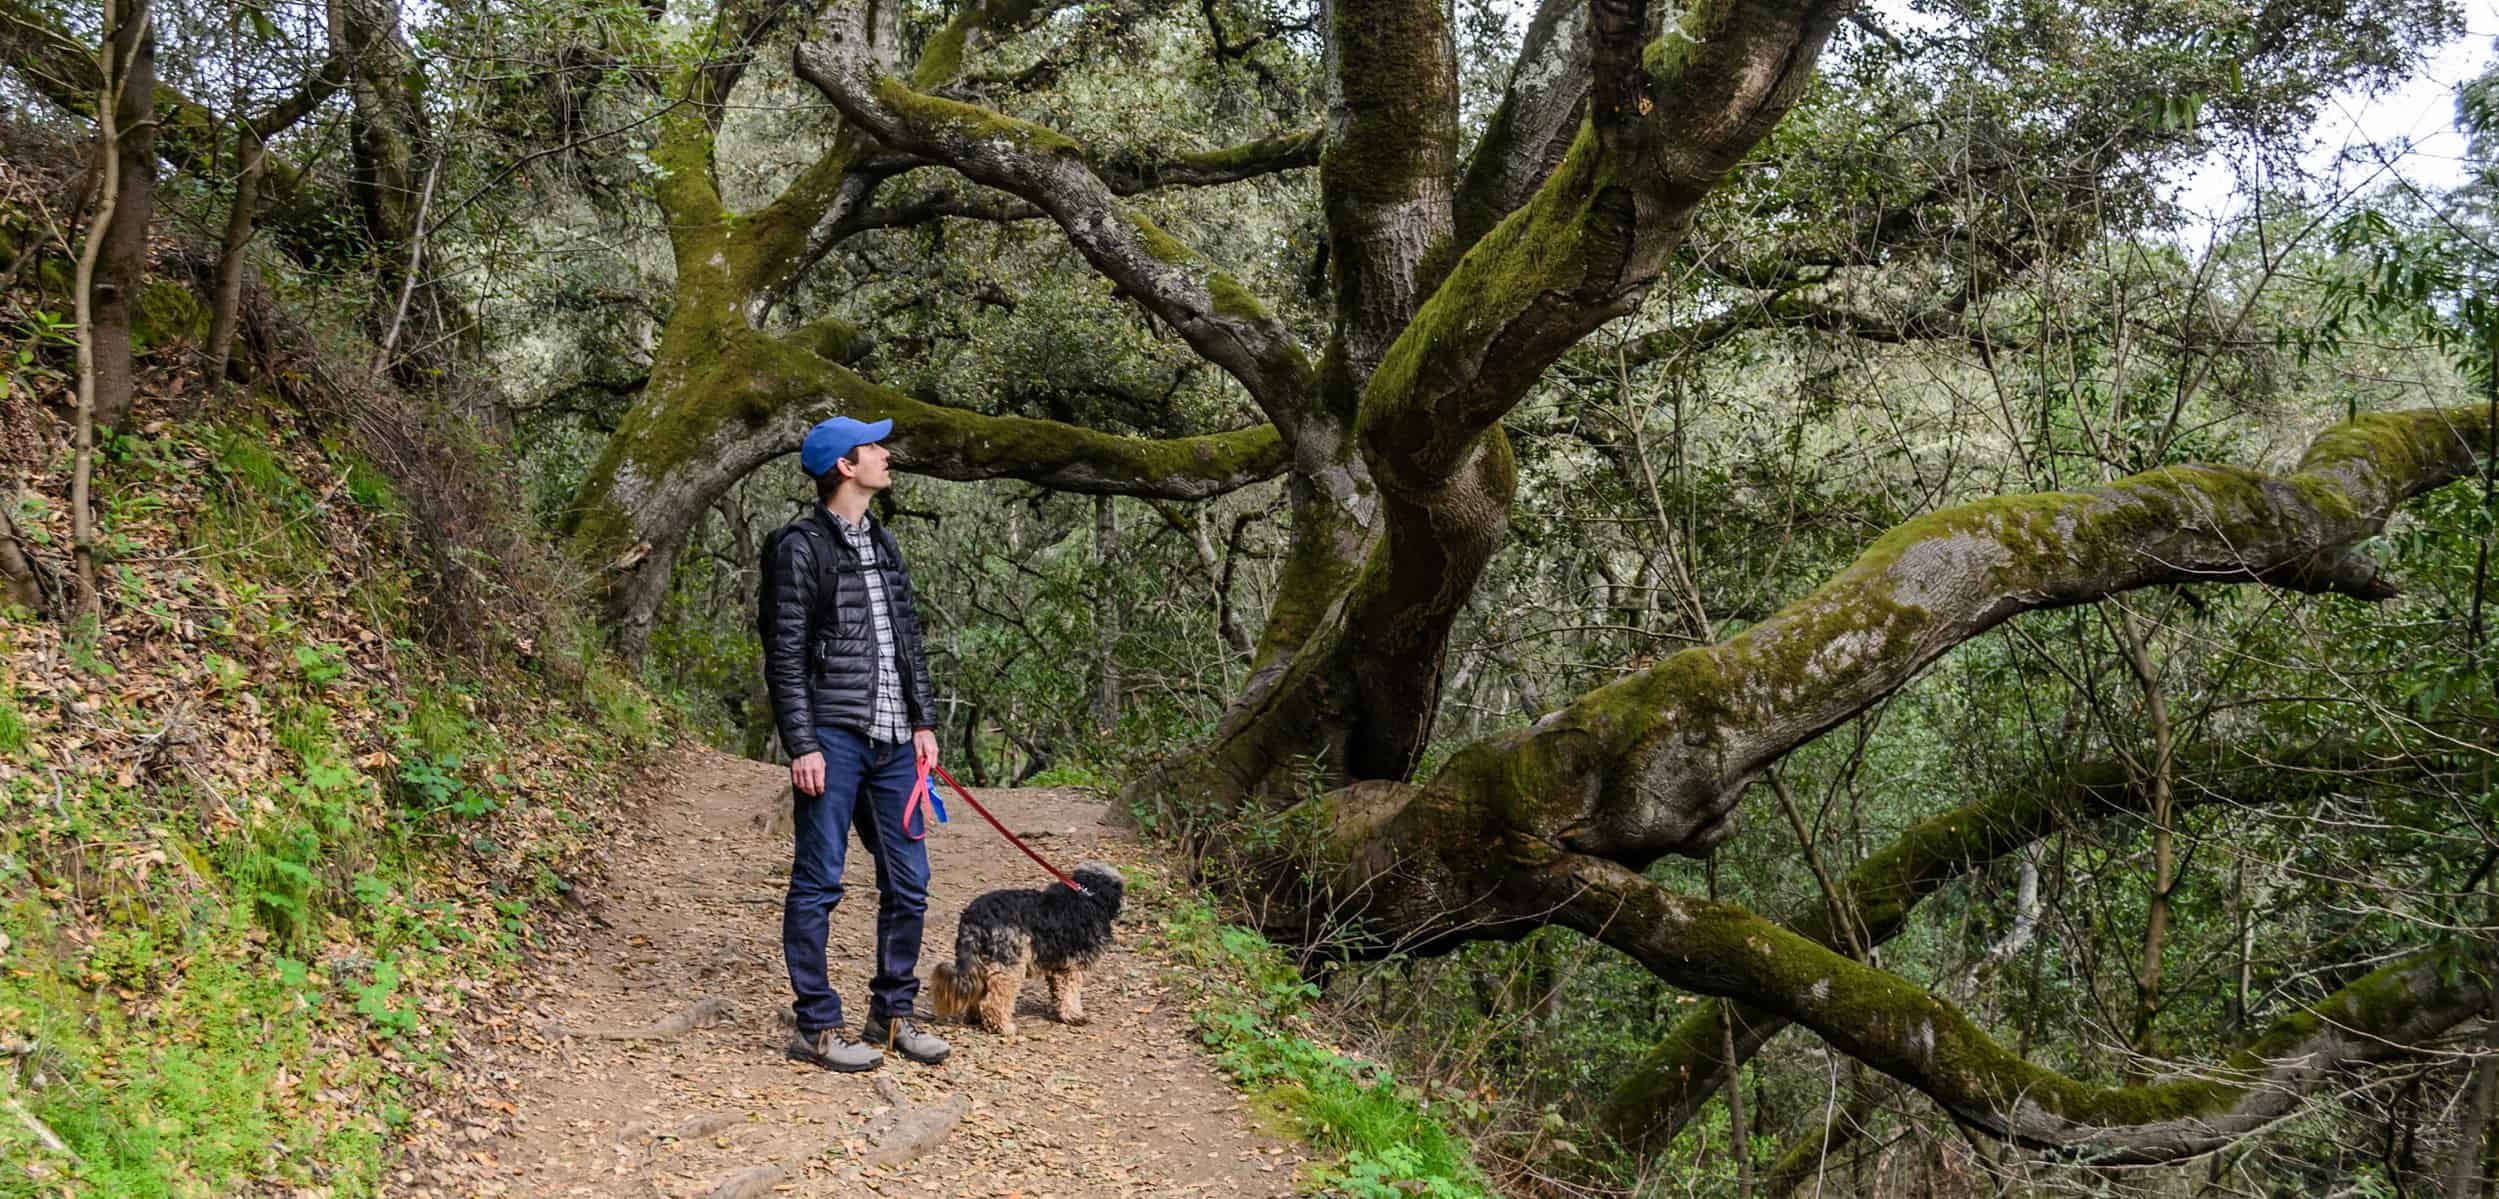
[923, 801]
[1004, 831]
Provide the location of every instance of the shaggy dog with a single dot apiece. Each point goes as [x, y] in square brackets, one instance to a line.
[1006, 932]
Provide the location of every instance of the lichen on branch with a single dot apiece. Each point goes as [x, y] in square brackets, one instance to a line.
[1655, 762]
[1689, 1066]
[1909, 1033]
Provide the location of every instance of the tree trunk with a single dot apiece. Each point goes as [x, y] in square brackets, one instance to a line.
[17, 571]
[971, 745]
[1106, 617]
[121, 273]
[2164, 858]
[232, 266]
[1739, 1130]
[103, 348]
[391, 139]
[2468, 1171]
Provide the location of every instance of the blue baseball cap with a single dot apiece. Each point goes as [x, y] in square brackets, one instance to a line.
[832, 438]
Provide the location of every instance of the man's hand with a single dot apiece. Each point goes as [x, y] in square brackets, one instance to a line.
[924, 743]
[807, 774]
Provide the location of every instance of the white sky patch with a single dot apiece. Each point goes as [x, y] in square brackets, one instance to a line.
[2362, 142]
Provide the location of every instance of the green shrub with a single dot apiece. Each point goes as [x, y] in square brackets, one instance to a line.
[1071, 774]
[620, 709]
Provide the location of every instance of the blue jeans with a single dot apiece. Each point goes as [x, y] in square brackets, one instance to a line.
[865, 785]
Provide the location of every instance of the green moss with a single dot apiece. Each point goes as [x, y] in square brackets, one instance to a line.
[14, 733]
[942, 59]
[1266, 150]
[56, 275]
[167, 313]
[2404, 445]
[1163, 246]
[953, 118]
[832, 339]
[1541, 250]
[1233, 300]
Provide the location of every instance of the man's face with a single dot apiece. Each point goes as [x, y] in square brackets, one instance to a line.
[874, 470]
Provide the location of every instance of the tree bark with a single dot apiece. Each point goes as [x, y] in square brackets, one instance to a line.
[2164, 865]
[18, 583]
[391, 137]
[121, 271]
[103, 352]
[1106, 617]
[1913, 1036]
[232, 266]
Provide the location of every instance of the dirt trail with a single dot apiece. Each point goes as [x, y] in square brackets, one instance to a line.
[688, 920]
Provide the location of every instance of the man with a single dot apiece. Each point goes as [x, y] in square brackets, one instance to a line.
[850, 691]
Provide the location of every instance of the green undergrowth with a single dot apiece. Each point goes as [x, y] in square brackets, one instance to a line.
[1252, 1011]
[264, 840]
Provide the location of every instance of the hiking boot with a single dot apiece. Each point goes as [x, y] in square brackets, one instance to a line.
[833, 1051]
[899, 1034]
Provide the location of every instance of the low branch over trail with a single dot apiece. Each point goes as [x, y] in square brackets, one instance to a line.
[1550, 824]
[1654, 763]
[1907, 1032]
[1689, 1067]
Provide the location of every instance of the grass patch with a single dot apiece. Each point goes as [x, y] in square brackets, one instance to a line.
[618, 707]
[214, 1083]
[1386, 1138]
[14, 734]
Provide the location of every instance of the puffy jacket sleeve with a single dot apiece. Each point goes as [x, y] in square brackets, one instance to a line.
[785, 608]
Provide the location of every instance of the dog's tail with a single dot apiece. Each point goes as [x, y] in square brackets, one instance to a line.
[956, 992]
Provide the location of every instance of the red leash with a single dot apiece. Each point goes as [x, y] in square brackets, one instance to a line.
[1003, 831]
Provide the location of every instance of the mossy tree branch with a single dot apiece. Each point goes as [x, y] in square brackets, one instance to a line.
[1655, 762]
[724, 397]
[815, 211]
[1540, 111]
[1668, 119]
[1550, 824]
[1690, 1065]
[753, 398]
[1385, 176]
[1206, 306]
[1907, 1032]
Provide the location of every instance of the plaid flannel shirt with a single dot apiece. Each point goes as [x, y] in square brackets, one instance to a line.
[887, 720]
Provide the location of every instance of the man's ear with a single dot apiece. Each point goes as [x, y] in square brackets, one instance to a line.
[848, 468]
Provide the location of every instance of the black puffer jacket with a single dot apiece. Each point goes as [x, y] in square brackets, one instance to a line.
[820, 635]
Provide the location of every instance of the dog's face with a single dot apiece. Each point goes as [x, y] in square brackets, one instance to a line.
[1103, 884]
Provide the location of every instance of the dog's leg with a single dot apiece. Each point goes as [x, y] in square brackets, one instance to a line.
[1067, 993]
[999, 986]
